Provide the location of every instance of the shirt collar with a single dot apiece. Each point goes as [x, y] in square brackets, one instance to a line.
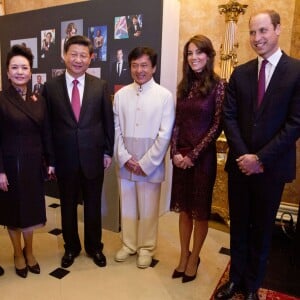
[145, 86]
[70, 78]
[273, 59]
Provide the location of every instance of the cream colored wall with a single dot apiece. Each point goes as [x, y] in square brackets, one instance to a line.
[203, 17]
[15, 6]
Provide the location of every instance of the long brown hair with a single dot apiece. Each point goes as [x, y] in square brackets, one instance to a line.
[208, 77]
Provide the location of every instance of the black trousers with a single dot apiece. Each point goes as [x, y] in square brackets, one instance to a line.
[71, 188]
[253, 204]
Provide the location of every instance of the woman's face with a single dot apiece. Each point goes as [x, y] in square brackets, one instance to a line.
[49, 37]
[19, 71]
[72, 32]
[197, 60]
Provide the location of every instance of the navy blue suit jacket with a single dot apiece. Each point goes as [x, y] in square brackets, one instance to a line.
[271, 130]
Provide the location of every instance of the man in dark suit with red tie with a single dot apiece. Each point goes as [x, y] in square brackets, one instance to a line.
[81, 117]
[261, 135]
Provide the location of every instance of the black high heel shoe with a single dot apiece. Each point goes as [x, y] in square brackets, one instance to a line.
[21, 272]
[187, 278]
[35, 269]
[177, 274]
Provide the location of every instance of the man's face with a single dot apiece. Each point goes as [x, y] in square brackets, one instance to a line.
[263, 36]
[119, 55]
[142, 70]
[77, 60]
[39, 79]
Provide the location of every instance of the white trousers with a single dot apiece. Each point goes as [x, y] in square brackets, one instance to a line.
[139, 216]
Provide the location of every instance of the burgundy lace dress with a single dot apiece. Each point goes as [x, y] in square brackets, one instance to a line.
[197, 126]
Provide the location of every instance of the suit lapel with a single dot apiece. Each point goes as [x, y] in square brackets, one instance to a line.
[85, 97]
[277, 76]
[252, 81]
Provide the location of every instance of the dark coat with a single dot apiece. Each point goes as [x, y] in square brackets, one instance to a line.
[80, 144]
[24, 144]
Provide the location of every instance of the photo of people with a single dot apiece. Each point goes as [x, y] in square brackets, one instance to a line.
[120, 72]
[47, 43]
[134, 25]
[94, 71]
[38, 83]
[121, 29]
[98, 36]
[29, 43]
[68, 29]
[57, 72]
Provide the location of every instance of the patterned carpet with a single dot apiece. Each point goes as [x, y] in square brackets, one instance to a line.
[264, 294]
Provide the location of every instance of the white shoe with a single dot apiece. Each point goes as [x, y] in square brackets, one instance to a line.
[144, 261]
[122, 255]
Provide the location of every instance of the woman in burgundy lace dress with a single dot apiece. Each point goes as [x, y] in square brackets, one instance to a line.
[193, 149]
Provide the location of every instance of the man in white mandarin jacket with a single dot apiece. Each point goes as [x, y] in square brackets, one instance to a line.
[144, 115]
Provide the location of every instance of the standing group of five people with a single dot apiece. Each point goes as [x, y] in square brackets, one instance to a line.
[77, 145]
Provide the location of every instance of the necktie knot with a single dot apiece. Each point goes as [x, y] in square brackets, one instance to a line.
[75, 82]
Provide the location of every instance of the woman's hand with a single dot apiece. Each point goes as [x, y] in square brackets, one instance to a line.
[3, 182]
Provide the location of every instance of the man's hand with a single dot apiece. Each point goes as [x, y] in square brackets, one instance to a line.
[133, 166]
[3, 182]
[107, 161]
[249, 164]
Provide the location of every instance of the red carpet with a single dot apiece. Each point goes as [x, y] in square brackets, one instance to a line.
[264, 294]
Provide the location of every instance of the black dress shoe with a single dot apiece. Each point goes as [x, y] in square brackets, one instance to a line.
[68, 259]
[22, 272]
[226, 291]
[187, 278]
[177, 274]
[1, 271]
[35, 269]
[98, 258]
[251, 296]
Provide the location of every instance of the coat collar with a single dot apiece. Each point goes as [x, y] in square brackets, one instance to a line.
[14, 98]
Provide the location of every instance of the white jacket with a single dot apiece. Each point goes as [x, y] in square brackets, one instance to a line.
[144, 121]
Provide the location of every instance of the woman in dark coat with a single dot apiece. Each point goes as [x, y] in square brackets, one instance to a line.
[193, 149]
[24, 146]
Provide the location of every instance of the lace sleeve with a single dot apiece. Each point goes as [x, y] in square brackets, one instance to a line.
[175, 133]
[215, 130]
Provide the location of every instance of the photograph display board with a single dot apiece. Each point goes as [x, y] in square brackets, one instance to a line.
[115, 27]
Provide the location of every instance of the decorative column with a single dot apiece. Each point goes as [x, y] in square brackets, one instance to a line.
[2, 10]
[232, 10]
[228, 61]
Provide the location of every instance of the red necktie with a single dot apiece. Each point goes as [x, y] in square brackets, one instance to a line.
[261, 82]
[75, 101]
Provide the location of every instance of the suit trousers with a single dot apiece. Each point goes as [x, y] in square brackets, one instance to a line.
[139, 215]
[253, 204]
[71, 188]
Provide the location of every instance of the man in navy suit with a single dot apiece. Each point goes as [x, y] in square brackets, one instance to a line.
[262, 151]
[83, 144]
